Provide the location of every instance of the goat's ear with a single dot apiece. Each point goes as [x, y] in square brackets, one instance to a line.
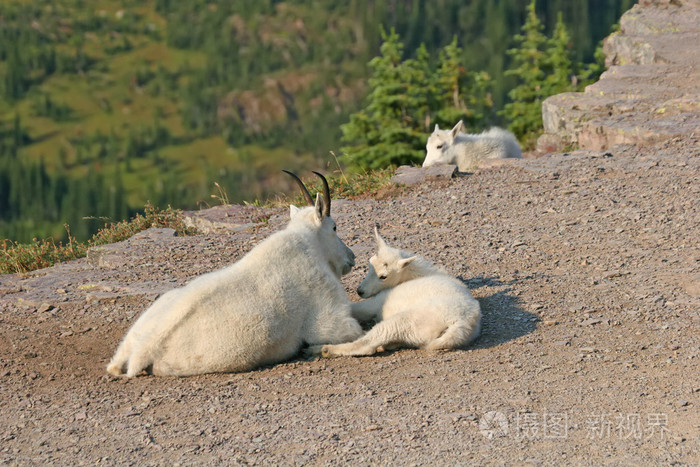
[437, 128]
[457, 128]
[318, 208]
[380, 241]
[406, 261]
[293, 210]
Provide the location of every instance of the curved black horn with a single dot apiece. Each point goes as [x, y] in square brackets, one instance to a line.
[304, 191]
[326, 195]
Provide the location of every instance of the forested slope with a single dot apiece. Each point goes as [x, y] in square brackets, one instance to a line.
[106, 105]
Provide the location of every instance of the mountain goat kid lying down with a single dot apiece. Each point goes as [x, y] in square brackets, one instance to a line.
[419, 304]
[468, 150]
[257, 311]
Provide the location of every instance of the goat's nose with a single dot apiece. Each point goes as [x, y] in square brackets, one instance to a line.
[360, 292]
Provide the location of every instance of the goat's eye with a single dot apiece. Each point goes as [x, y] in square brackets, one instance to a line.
[439, 146]
[382, 277]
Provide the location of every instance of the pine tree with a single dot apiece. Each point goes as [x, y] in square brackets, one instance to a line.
[16, 82]
[17, 134]
[461, 94]
[529, 62]
[449, 78]
[420, 90]
[114, 194]
[386, 132]
[559, 63]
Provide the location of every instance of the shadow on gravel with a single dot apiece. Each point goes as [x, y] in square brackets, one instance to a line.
[503, 319]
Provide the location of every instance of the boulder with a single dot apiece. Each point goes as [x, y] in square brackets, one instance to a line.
[409, 175]
[649, 92]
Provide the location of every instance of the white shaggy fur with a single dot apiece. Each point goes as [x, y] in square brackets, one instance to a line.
[468, 150]
[419, 304]
[260, 310]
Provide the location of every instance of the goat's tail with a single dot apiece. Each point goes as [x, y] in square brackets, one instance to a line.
[457, 335]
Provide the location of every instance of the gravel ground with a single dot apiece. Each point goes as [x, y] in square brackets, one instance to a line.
[586, 266]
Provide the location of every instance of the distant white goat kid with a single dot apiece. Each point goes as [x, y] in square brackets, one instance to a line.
[468, 150]
[260, 310]
[419, 304]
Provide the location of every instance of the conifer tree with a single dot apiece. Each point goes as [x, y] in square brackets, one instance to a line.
[529, 62]
[114, 193]
[461, 95]
[385, 132]
[17, 133]
[448, 81]
[559, 63]
[420, 89]
[15, 82]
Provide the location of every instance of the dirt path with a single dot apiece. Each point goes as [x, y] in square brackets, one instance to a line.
[586, 267]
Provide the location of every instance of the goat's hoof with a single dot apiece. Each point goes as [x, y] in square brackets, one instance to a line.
[312, 351]
[326, 352]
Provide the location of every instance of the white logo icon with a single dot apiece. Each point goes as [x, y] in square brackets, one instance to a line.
[494, 424]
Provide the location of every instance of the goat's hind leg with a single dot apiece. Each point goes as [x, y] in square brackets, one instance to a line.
[382, 335]
[130, 358]
[138, 362]
[118, 364]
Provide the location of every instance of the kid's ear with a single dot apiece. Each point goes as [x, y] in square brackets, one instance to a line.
[457, 128]
[406, 261]
[437, 128]
[318, 208]
[293, 210]
[380, 241]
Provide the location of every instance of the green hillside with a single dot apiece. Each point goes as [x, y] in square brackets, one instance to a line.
[105, 105]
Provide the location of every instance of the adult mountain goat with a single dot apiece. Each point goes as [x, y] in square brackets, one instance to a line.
[419, 305]
[468, 150]
[258, 311]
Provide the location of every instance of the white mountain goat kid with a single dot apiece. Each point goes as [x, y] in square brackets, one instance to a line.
[419, 304]
[260, 310]
[468, 150]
